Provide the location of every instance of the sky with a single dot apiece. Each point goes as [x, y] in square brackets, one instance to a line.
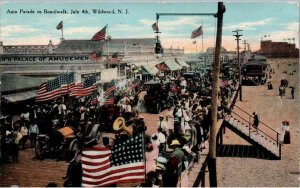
[275, 20]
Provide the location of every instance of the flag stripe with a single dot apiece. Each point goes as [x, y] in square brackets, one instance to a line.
[126, 164]
[109, 90]
[92, 161]
[118, 169]
[100, 35]
[115, 178]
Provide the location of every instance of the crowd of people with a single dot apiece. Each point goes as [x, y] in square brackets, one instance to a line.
[180, 135]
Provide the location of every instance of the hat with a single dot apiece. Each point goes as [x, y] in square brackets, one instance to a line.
[175, 142]
[160, 166]
[161, 160]
[286, 122]
[161, 116]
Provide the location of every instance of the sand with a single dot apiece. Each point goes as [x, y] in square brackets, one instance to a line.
[252, 172]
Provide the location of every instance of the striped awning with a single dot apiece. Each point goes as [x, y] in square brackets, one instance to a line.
[149, 70]
[20, 96]
[173, 65]
[182, 63]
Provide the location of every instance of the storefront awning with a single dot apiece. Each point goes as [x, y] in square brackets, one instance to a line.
[182, 63]
[149, 70]
[20, 96]
[173, 65]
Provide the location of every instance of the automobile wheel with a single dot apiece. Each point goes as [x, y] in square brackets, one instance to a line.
[98, 137]
[74, 145]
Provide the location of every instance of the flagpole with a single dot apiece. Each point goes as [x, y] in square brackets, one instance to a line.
[202, 37]
[62, 33]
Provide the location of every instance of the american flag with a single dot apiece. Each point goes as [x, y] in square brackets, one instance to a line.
[100, 35]
[197, 32]
[52, 89]
[109, 90]
[94, 98]
[95, 56]
[124, 163]
[86, 88]
[155, 27]
[67, 82]
[49, 90]
[109, 101]
[174, 89]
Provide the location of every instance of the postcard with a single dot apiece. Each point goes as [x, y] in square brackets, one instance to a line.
[149, 93]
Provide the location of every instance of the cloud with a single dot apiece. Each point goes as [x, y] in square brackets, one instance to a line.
[33, 41]
[250, 25]
[10, 30]
[82, 31]
[291, 30]
[174, 24]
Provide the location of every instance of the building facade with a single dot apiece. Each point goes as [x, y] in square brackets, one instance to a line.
[272, 49]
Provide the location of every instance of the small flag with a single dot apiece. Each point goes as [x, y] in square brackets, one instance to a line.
[94, 56]
[109, 90]
[94, 98]
[124, 163]
[197, 32]
[60, 25]
[174, 89]
[155, 27]
[100, 35]
[109, 101]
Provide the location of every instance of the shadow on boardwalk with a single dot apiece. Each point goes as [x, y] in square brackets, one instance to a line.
[243, 151]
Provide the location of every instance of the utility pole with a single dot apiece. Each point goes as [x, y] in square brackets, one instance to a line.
[213, 127]
[245, 45]
[237, 35]
[245, 48]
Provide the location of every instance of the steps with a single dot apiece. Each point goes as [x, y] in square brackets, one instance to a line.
[265, 142]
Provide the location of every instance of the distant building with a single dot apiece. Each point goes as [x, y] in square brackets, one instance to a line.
[277, 49]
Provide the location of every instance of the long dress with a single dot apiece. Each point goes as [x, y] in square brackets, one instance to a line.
[286, 138]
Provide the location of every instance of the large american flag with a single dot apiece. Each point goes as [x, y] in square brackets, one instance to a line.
[100, 35]
[67, 82]
[86, 88]
[56, 87]
[197, 32]
[124, 163]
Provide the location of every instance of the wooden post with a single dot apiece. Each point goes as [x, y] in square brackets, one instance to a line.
[213, 126]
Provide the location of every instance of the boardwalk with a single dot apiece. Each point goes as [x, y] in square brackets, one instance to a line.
[237, 171]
